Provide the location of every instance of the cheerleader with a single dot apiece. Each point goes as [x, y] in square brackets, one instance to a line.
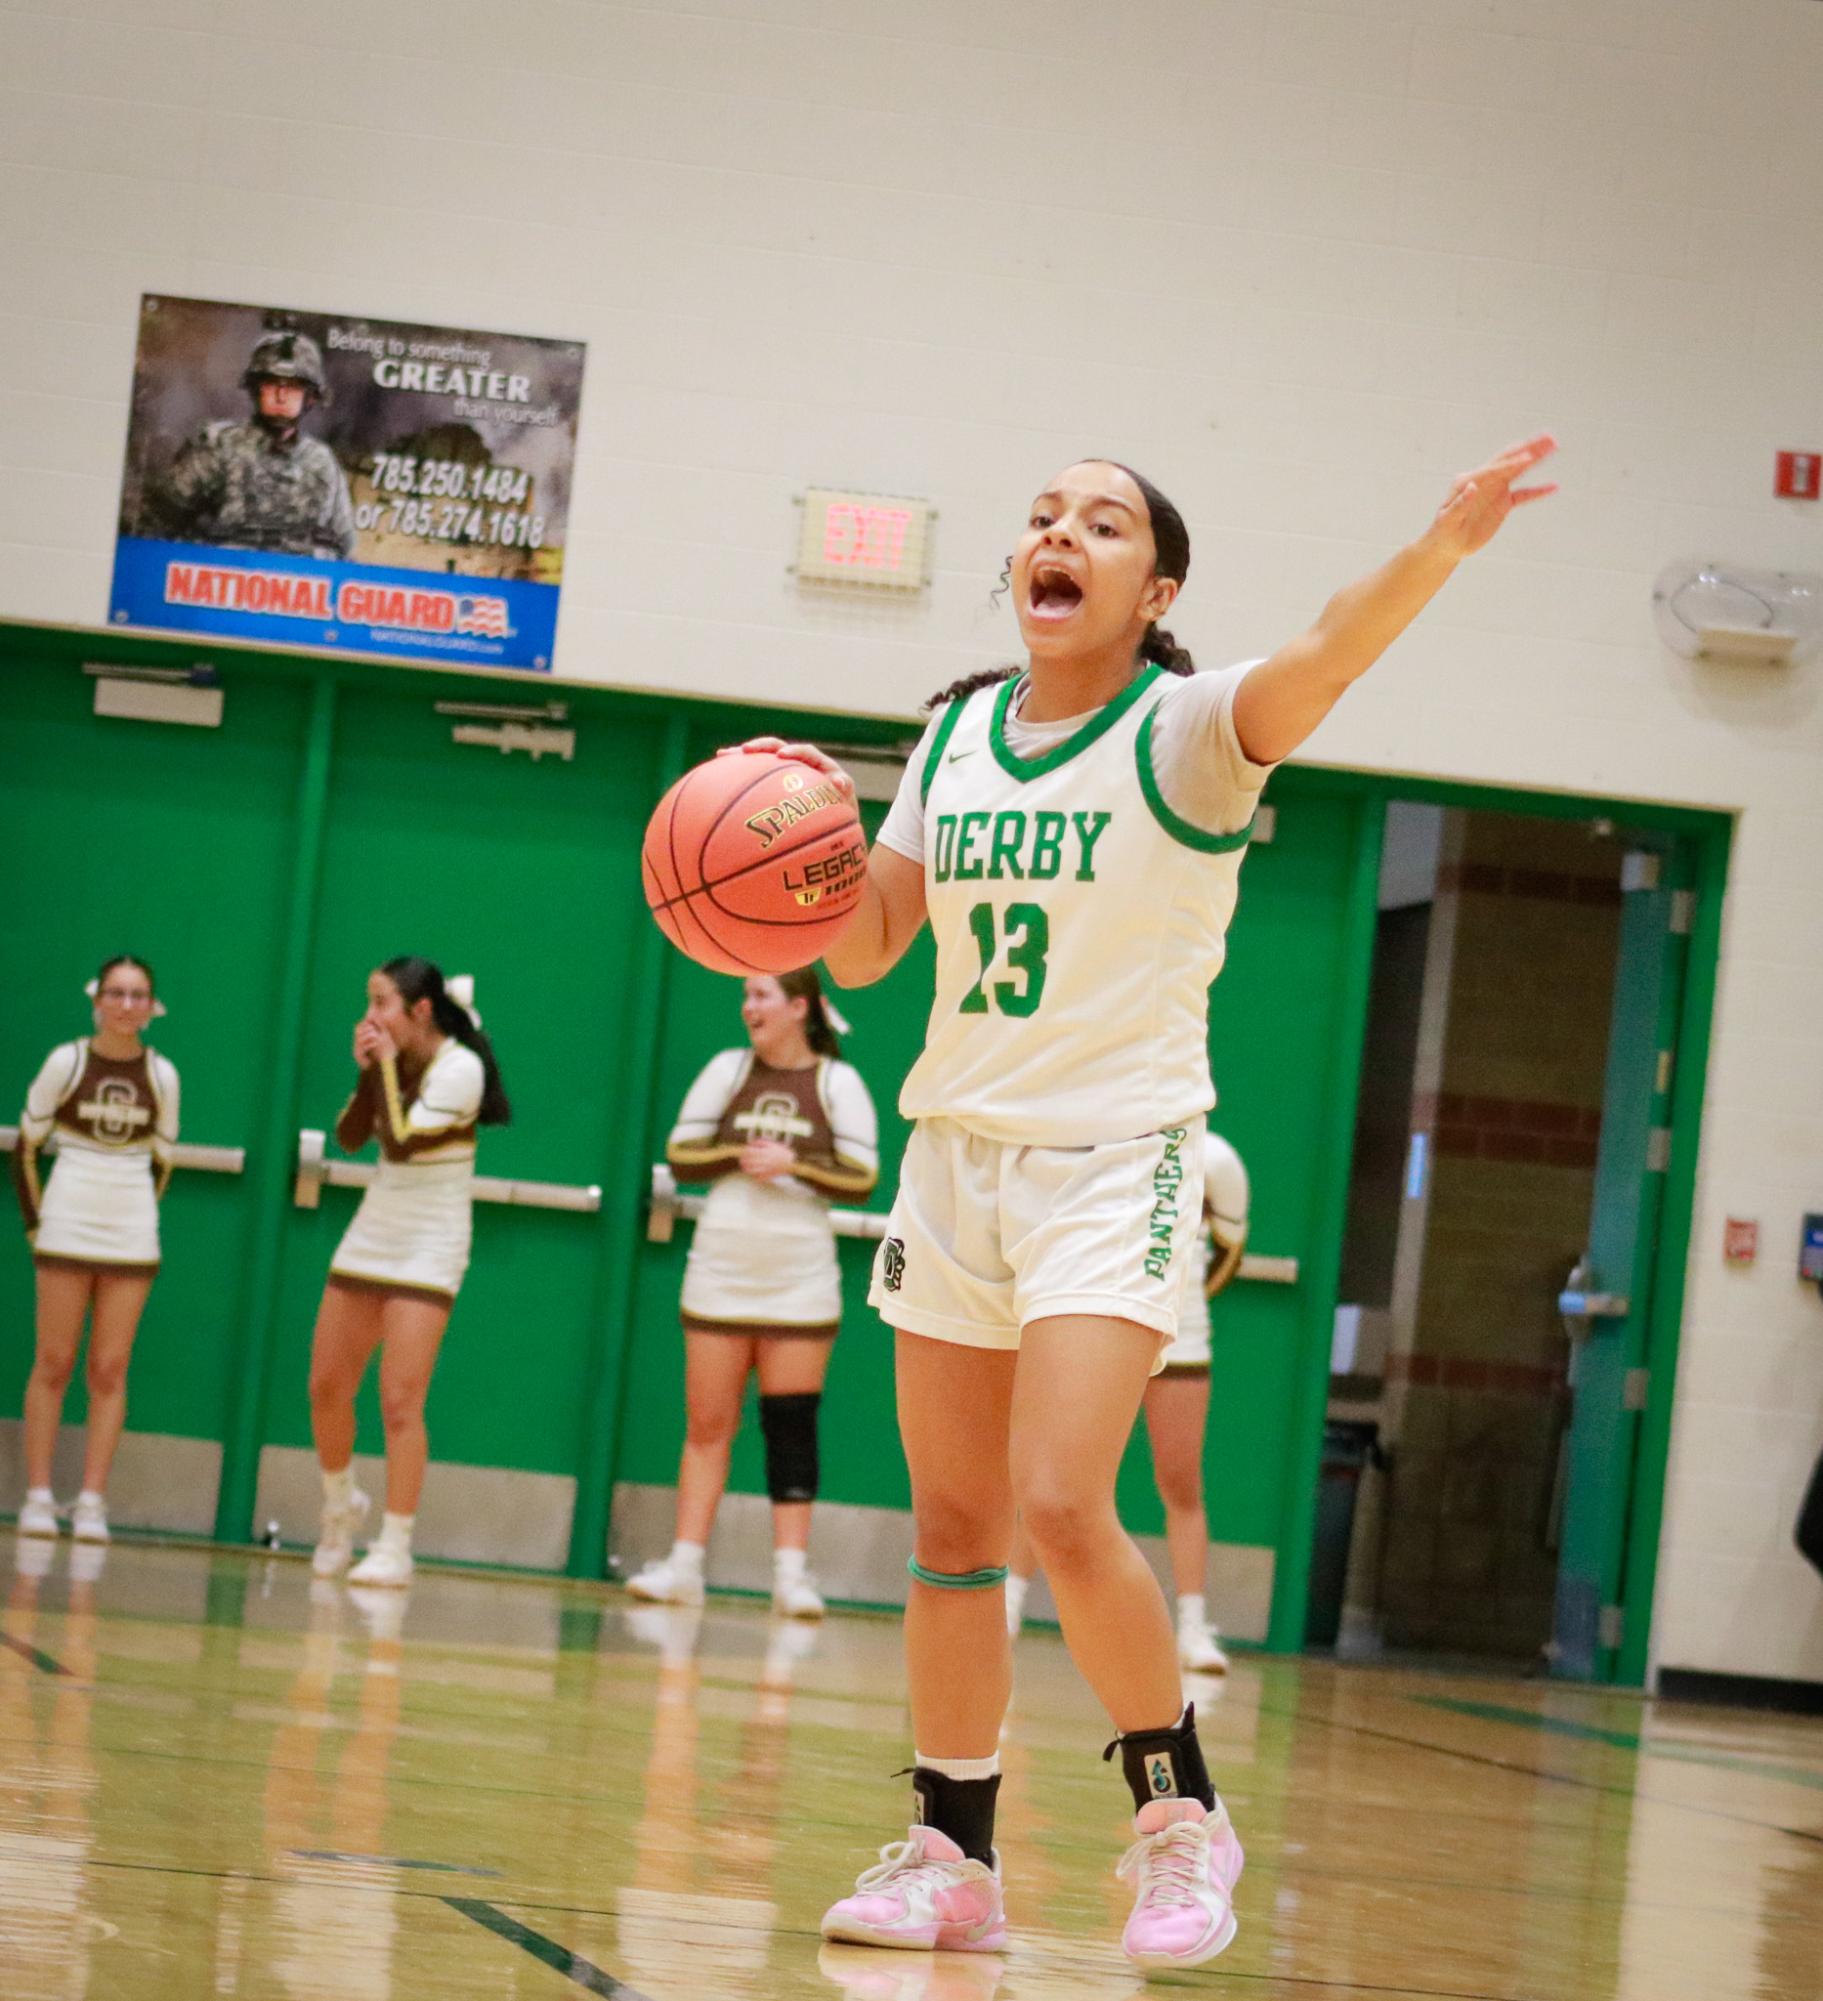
[778, 1129]
[1176, 1404]
[93, 1227]
[427, 1079]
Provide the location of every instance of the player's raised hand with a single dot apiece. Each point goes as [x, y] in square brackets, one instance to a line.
[1480, 501]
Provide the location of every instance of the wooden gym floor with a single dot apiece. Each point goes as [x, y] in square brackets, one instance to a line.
[218, 1780]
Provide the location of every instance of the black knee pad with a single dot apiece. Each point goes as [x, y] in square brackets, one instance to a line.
[790, 1425]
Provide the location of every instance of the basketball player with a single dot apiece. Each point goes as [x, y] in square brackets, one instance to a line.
[93, 1228]
[777, 1129]
[1074, 833]
[1177, 1415]
[427, 1080]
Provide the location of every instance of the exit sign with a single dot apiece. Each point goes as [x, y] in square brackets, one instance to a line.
[876, 540]
[1800, 475]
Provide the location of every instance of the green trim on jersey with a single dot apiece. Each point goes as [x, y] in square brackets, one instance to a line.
[1097, 726]
[952, 715]
[1175, 824]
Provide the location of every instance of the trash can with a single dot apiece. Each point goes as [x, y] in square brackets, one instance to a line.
[1348, 1445]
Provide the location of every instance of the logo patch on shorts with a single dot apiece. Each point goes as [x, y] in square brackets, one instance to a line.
[892, 1263]
[1161, 1775]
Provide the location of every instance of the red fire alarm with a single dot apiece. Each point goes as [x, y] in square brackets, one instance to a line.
[1800, 475]
[1740, 1240]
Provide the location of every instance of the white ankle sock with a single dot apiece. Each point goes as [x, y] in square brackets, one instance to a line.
[395, 1531]
[788, 1565]
[1190, 1609]
[39, 1494]
[688, 1555]
[89, 1498]
[338, 1488]
[959, 1768]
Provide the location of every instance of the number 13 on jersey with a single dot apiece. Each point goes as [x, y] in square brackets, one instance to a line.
[1027, 933]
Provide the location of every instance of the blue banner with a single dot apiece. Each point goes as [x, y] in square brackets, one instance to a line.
[304, 601]
[313, 479]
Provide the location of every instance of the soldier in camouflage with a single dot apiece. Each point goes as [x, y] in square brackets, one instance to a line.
[262, 484]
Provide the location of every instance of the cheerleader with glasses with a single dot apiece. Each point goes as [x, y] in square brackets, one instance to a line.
[427, 1080]
[1073, 830]
[111, 1104]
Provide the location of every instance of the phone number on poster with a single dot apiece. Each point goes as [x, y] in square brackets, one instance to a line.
[450, 479]
[453, 521]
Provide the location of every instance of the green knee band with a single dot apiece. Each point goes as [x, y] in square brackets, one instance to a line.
[967, 1580]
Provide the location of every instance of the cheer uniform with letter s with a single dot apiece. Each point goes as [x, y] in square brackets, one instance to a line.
[763, 1260]
[115, 1122]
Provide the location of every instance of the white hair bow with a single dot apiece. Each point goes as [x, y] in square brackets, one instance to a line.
[461, 989]
[833, 1015]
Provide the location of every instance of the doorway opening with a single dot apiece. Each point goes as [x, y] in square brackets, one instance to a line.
[1489, 1070]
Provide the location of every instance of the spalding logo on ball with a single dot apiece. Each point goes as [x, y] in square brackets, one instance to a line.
[753, 862]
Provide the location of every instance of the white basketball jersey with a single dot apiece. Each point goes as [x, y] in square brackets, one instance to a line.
[1079, 922]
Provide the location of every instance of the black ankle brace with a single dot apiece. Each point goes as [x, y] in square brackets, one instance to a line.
[1164, 1764]
[961, 1808]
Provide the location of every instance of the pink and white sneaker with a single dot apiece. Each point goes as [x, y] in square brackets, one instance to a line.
[1185, 1865]
[923, 1895]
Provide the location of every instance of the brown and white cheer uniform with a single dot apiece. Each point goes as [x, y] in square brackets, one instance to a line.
[764, 1257]
[411, 1232]
[114, 1119]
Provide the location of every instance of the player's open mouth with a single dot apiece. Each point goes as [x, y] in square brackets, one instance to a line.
[1054, 592]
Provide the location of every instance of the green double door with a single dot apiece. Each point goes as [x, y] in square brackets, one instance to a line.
[264, 867]
[515, 872]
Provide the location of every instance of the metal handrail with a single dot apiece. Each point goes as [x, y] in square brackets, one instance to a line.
[316, 1171]
[667, 1206]
[203, 1159]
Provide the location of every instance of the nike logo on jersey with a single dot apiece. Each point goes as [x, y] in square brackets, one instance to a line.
[1027, 847]
[956, 756]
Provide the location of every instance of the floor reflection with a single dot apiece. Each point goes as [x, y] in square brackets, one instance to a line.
[335, 1906]
[50, 1920]
[220, 1783]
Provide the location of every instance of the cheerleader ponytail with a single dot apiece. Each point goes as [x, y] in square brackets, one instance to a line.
[420, 979]
[820, 1031]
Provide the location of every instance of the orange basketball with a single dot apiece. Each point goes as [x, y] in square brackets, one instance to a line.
[753, 862]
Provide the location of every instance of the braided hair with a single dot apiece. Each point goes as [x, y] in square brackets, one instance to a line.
[1171, 545]
[419, 979]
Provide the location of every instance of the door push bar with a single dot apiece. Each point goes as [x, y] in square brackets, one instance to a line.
[1579, 1305]
[316, 1170]
[666, 1207]
[204, 1159]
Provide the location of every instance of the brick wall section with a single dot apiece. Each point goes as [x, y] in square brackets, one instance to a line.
[1360, 244]
[1515, 1125]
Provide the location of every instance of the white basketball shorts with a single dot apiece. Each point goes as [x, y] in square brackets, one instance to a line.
[986, 1236]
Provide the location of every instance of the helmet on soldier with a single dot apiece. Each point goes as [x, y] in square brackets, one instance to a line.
[281, 356]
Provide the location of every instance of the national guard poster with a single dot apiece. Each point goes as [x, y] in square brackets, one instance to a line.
[314, 479]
